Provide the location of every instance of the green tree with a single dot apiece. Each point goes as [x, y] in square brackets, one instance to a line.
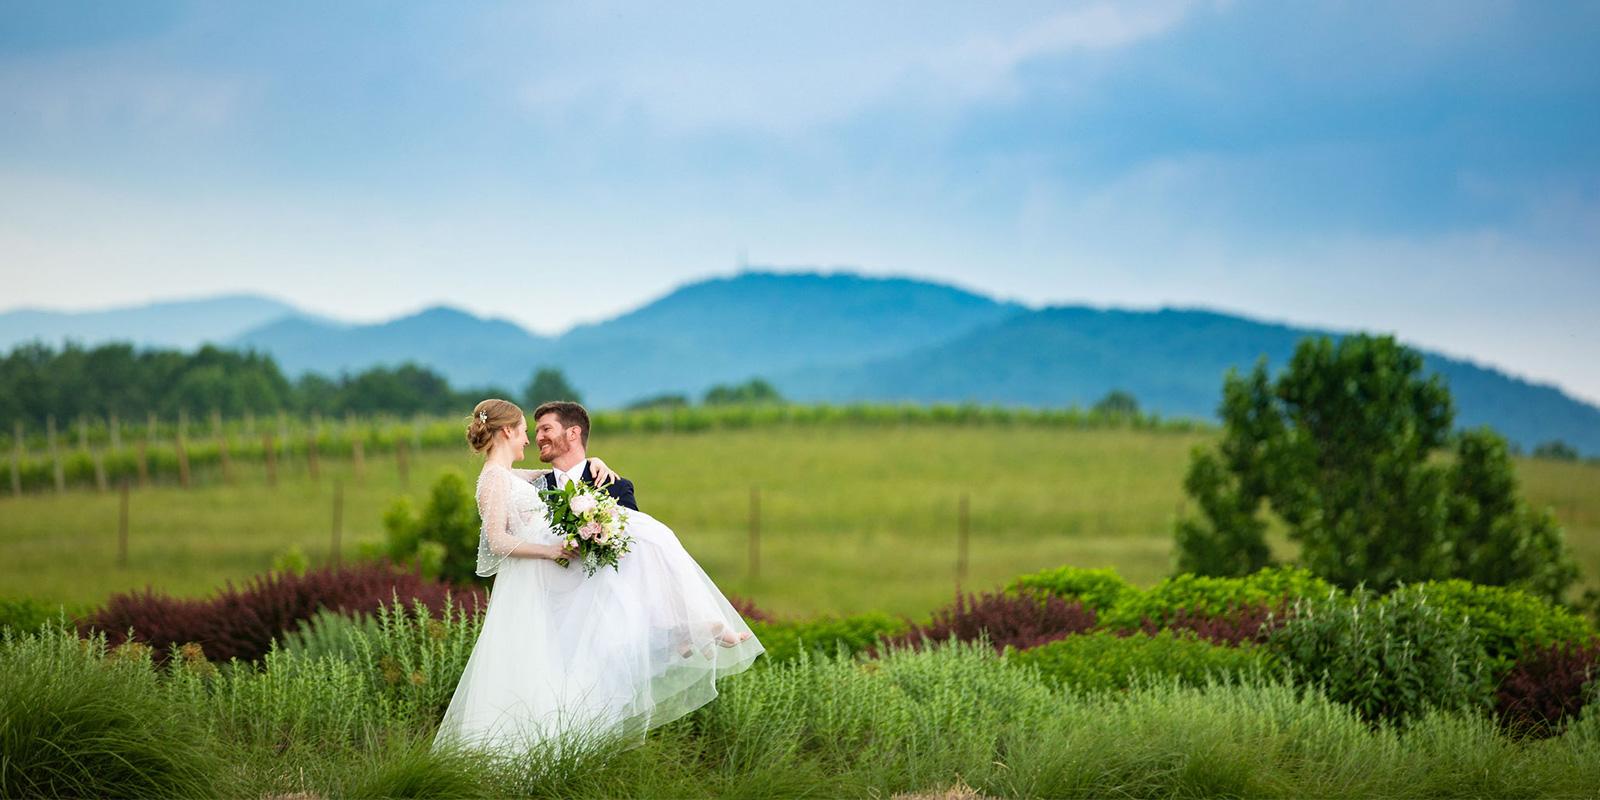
[1341, 449]
[547, 384]
[1117, 403]
[753, 392]
[1556, 450]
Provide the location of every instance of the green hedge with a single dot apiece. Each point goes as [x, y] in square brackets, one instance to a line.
[1104, 660]
[784, 640]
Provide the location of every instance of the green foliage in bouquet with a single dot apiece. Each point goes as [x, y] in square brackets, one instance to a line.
[579, 506]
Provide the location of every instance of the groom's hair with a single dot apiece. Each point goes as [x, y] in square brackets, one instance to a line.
[569, 413]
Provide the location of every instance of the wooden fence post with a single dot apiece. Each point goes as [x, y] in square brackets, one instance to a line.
[270, 449]
[57, 470]
[358, 458]
[16, 460]
[122, 528]
[99, 469]
[964, 531]
[83, 433]
[401, 464]
[338, 518]
[183, 460]
[116, 432]
[143, 464]
[311, 456]
[225, 457]
[755, 533]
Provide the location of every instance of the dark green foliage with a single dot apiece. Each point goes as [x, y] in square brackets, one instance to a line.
[442, 540]
[410, 768]
[1117, 403]
[37, 381]
[547, 384]
[753, 392]
[1206, 595]
[660, 401]
[1493, 537]
[1097, 589]
[784, 640]
[75, 722]
[25, 615]
[1104, 660]
[1555, 450]
[1340, 448]
[1392, 658]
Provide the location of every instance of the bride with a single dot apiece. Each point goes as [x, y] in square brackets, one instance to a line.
[563, 658]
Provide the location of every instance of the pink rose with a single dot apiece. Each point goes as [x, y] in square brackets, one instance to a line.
[583, 504]
[590, 530]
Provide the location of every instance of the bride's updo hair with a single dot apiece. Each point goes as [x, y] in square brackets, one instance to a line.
[487, 419]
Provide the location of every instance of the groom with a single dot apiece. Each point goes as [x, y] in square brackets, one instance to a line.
[561, 430]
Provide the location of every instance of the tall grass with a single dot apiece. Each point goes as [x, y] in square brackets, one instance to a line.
[77, 721]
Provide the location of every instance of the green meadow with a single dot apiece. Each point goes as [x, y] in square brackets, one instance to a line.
[851, 517]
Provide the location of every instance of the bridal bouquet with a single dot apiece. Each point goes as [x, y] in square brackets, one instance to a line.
[590, 520]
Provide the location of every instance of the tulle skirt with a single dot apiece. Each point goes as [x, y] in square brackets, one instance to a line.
[564, 658]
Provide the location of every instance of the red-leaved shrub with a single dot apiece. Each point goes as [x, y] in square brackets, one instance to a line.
[1546, 689]
[1021, 621]
[1235, 626]
[747, 609]
[241, 623]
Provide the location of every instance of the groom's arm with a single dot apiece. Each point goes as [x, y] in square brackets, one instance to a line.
[622, 489]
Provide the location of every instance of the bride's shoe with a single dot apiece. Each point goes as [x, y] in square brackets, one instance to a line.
[731, 639]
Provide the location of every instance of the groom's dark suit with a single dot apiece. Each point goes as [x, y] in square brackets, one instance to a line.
[621, 488]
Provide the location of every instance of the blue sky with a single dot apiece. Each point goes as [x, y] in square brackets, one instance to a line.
[1428, 169]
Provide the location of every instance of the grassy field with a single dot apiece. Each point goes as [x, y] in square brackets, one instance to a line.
[851, 518]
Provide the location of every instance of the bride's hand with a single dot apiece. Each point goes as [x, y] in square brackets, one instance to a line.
[566, 551]
[603, 476]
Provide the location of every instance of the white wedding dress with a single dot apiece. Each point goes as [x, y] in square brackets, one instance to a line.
[565, 658]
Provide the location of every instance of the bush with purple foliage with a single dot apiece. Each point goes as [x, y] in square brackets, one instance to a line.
[1547, 689]
[1007, 619]
[241, 623]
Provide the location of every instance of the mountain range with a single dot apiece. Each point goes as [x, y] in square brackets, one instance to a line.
[835, 337]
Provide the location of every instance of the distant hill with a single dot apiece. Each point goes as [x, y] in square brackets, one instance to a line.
[468, 350]
[182, 324]
[835, 337]
[764, 324]
[1172, 360]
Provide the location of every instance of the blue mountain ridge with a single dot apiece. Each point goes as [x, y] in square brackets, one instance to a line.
[834, 337]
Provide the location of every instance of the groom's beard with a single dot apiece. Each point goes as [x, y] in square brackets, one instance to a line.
[557, 449]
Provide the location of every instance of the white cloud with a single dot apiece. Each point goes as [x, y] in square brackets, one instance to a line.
[807, 66]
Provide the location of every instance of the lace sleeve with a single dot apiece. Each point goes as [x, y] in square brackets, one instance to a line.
[496, 541]
[532, 476]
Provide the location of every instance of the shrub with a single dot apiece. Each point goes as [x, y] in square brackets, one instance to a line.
[242, 623]
[328, 634]
[785, 640]
[1547, 688]
[26, 615]
[1391, 658]
[441, 539]
[1205, 597]
[747, 609]
[1513, 624]
[1097, 589]
[1237, 625]
[1004, 620]
[1106, 660]
[76, 721]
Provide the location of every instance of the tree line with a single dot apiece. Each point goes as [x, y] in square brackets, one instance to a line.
[38, 381]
